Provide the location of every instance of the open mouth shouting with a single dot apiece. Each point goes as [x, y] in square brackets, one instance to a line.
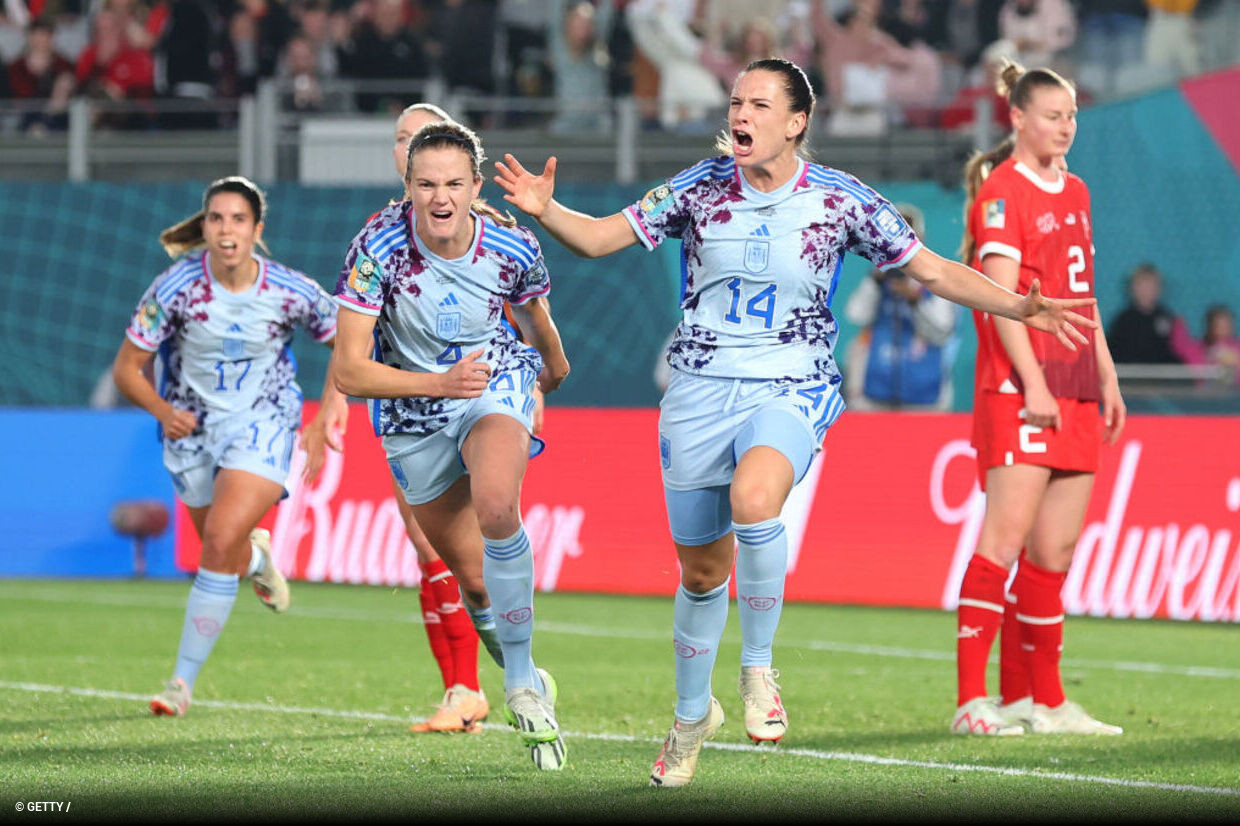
[742, 143]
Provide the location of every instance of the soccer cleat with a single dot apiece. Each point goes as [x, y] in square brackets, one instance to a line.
[173, 701]
[490, 641]
[1068, 718]
[1018, 712]
[677, 761]
[532, 714]
[269, 584]
[981, 716]
[765, 718]
[462, 709]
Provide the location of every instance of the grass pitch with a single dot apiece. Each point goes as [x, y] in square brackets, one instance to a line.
[305, 716]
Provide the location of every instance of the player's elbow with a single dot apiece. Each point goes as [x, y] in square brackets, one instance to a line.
[345, 376]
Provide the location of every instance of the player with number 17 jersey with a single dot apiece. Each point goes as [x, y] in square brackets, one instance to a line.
[1046, 228]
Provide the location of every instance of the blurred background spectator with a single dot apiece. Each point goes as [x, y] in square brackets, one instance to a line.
[1110, 43]
[1041, 30]
[259, 31]
[1142, 331]
[902, 358]
[461, 41]
[40, 73]
[384, 46]
[690, 97]
[187, 63]
[112, 69]
[1219, 346]
[1171, 37]
[580, 66]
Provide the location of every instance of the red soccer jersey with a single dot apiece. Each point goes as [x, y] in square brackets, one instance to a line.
[1046, 227]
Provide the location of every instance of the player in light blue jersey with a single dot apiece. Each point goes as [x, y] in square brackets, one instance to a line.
[754, 382]
[422, 336]
[221, 319]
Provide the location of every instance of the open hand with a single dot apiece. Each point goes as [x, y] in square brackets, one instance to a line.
[527, 192]
[1055, 316]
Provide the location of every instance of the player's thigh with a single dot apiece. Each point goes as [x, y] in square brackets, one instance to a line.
[421, 545]
[1057, 526]
[240, 500]
[1013, 497]
[495, 453]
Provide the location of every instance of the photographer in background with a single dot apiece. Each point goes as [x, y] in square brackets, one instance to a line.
[901, 359]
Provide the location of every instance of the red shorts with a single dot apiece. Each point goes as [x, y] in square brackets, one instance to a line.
[1001, 437]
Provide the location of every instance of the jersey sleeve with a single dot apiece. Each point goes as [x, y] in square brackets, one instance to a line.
[533, 281]
[318, 316]
[996, 219]
[361, 286]
[662, 213]
[878, 232]
[153, 321]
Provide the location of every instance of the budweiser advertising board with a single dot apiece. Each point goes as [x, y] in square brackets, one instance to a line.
[888, 515]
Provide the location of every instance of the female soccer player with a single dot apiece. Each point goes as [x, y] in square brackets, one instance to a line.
[423, 286]
[228, 406]
[754, 383]
[1036, 423]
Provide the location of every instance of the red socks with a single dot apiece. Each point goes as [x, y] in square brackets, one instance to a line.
[461, 664]
[1013, 660]
[977, 621]
[1039, 612]
[440, 649]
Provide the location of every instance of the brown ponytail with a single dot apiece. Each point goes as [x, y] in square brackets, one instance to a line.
[1016, 84]
[976, 170]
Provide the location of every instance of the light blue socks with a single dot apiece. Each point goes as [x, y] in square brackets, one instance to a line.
[697, 626]
[210, 602]
[761, 566]
[508, 571]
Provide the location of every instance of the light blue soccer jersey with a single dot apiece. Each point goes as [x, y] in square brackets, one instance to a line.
[759, 268]
[222, 353]
[432, 311]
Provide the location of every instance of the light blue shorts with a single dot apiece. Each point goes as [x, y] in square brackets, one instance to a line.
[706, 424]
[426, 466]
[256, 444]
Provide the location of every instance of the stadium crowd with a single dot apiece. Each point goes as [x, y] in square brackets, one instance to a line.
[874, 63]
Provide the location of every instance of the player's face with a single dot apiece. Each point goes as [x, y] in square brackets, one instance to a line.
[1047, 125]
[405, 129]
[229, 228]
[762, 124]
[442, 186]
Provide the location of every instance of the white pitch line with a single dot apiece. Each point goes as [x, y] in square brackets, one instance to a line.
[782, 751]
[573, 629]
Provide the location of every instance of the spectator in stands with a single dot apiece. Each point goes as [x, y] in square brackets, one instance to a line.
[463, 55]
[1144, 330]
[1111, 35]
[143, 23]
[301, 84]
[909, 331]
[40, 72]
[580, 66]
[522, 29]
[110, 69]
[316, 27]
[1041, 30]
[732, 29]
[1219, 346]
[961, 110]
[383, 47]
[259, 30]
[1171, 37]
[866, 70]
[184, 60]
[688, 93]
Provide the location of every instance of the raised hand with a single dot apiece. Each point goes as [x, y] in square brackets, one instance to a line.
[467, 378]
[1054, 315]
[527, 192]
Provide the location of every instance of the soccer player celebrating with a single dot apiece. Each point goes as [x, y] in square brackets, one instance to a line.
[228, 406]
[1036, 423]
[754, 384]
[423, 287]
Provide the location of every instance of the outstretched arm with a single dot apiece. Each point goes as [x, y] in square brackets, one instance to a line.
[585, 235]
[969, 287]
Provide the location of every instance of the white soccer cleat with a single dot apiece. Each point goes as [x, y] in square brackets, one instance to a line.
[1018, 712]
[173, 701]
[677, 761]
[270, 584]
[765, 718]
[532, 713]
[981, 716]
[1068, 718]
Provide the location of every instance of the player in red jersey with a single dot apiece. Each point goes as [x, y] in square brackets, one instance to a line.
[1037, 428]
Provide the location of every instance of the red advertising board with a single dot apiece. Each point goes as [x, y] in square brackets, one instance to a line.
[888, 515]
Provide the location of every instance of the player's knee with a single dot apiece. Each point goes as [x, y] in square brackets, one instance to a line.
[473, 589]
[498, 516]
[219, 547]
[753, 502]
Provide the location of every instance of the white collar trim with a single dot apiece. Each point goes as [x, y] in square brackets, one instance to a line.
[1046, 186]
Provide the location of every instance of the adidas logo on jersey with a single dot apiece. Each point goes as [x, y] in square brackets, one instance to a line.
[450, 301]
[234, 327]
[762, 232]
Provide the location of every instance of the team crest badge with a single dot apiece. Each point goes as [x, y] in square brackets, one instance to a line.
[447, 325]
[656, 200]
[993, 214]
[151, 316]
[888, 221]
[398, 473]
[757, 255]
[363, 276]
